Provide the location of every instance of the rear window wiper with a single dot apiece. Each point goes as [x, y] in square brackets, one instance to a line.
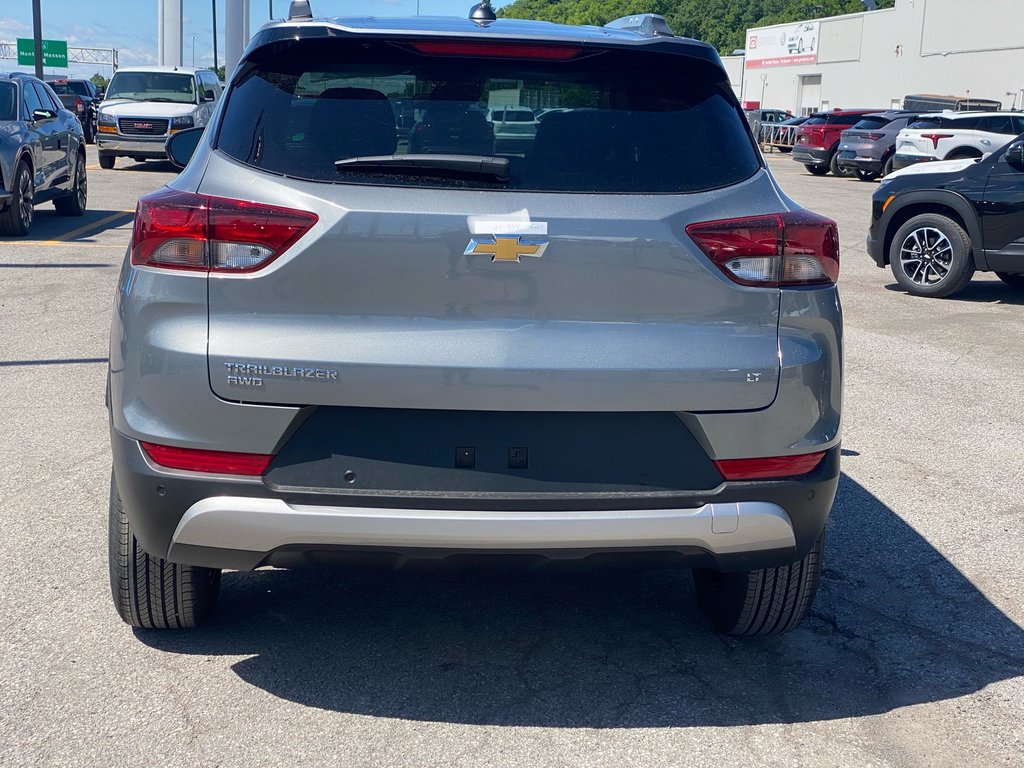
[427, 165]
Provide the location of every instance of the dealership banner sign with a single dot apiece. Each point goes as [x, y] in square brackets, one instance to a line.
[783, 46]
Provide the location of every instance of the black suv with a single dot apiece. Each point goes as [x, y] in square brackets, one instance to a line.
[82, 98]
[937, 223]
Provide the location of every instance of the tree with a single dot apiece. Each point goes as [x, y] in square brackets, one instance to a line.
[99, 81]
[220, 72]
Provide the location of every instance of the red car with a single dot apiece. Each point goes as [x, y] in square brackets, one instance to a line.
[817, 140]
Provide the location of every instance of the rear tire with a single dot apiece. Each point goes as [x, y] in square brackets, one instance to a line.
[931, 256]
[768, 601]
[106, 161]
[1012, 279]
[16, 219]
[887, 168]
[816, 170]
[838, 170]
[150, 592]
[73, 203]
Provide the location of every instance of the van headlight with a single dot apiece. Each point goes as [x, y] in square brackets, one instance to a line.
[106, 123]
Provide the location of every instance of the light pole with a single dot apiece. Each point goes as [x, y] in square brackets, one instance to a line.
[764, 84]
[271, 9]
[214, 4]
[193, 50]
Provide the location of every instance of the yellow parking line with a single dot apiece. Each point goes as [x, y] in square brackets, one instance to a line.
[92, 167]
[81, 230]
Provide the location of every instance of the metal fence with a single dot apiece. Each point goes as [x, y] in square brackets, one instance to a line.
[777, 136]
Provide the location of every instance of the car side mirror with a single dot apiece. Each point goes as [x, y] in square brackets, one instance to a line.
[39, 115]
[181, 146]
[1015, 155]
[208, 95]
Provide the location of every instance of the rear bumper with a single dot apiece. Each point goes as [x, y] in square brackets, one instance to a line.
[861, 164]
[265, 525]
[121, 146]
[242, 523]
[812, 155]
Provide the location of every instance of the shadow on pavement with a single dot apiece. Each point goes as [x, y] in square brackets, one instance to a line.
[48, 226]
[895, 624]
[979, 292]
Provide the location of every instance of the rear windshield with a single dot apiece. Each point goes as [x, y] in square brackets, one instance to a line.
[300, 106]
[928, 122]
[8, 101]
[872, 123]
[153, 86]
[70, 88]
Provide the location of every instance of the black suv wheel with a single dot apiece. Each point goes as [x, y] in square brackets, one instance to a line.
[931, 256]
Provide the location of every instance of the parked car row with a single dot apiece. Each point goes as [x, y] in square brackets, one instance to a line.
[873, 143]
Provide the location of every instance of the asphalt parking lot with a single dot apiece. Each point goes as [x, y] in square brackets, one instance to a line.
[914, 655]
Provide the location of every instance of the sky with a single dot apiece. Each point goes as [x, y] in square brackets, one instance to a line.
[130, 25]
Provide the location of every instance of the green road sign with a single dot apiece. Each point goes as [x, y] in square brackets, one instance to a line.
[55, 53]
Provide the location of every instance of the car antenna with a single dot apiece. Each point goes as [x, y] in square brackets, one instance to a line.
[299, 10]
[482, 12]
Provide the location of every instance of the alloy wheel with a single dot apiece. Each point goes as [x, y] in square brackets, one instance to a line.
[82, 185]
[26, 193]
[926, 256]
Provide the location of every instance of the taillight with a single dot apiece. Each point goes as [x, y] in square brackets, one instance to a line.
[874, 136]
[183, 230]
[781, 249]
[773, 468]
[935, 137]
[79, 104]
[197, 460]
[497, 50]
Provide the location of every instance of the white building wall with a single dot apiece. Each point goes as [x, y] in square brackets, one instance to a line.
[874, 59]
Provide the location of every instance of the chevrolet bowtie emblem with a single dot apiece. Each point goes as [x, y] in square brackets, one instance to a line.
[506, 247]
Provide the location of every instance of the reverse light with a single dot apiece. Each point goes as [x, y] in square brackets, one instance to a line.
[772, 468]
[497, 50]
[184, 230]
[936, 137]
[782, 249]
[217, 462]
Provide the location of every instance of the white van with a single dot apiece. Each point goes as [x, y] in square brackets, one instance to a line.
[145, 105]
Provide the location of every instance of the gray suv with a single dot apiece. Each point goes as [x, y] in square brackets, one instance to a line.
[869, 147]
[608, 344]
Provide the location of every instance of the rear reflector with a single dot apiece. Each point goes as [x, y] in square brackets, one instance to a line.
[183, 230]
[774, 468]
[497, 50]
[780, 249]
[217, 462]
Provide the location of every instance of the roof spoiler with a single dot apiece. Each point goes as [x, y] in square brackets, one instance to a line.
[646, 24]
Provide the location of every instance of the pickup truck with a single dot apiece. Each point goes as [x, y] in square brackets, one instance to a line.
[82, 99]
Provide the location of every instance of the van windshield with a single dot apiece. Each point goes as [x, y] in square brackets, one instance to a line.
[299, 107]
[172, 87]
